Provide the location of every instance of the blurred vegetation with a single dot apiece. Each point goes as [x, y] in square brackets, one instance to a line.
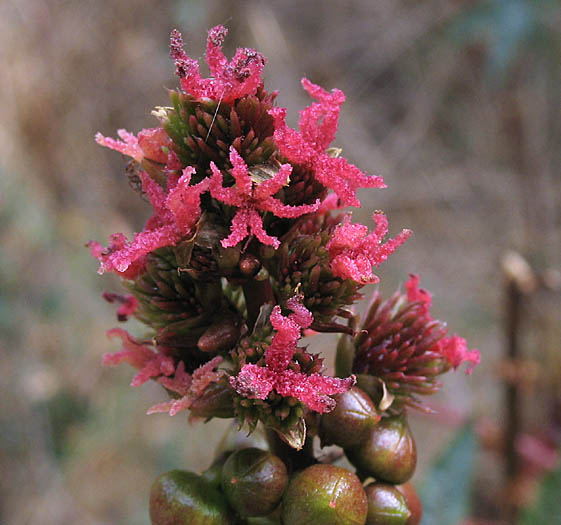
[547, 508]
[446, 489]
[456, 103]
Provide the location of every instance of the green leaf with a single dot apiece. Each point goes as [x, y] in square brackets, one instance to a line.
[445, 492]
[547, 508]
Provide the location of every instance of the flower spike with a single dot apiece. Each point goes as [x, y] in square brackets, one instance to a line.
[402, 345]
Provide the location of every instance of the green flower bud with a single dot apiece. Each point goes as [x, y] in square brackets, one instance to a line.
[179, 497]
[389, 452]
[254, 481]
[386, 505]
[351, 421]
[325, 494]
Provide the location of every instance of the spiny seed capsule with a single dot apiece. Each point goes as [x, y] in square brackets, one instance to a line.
[351, 421]
[254, 481]
[386, 505]
[325, 494]
[179, 497]
[388, 454]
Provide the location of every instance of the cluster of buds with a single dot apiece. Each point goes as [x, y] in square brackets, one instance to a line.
[245, 254]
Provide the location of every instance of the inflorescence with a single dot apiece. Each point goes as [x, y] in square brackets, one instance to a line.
[245, 254]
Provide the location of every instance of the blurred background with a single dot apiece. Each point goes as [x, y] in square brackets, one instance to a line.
[455, 102]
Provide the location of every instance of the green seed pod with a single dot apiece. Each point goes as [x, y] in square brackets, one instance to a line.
[324, 494]
[351, 421]
[179, 497]
[388, 454]
[254, 481]
[386, 505]
[413, 503]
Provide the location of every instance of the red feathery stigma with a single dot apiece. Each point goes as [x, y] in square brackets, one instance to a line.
[257, 382]
[229, 81]
[353, 251]
[150, 363]
[152, 143]
[251, 198]
[128, 304]
[174, 215]
[189, 387]
[318, 125]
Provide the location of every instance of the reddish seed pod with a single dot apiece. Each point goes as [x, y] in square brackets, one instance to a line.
[413, 503]
[253, 481]
[386, 505]
[324, 494]
[179, 497]
[351, 421]
[388, 454]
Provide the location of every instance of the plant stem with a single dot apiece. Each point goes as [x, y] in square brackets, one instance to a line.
[293, 459]
[257, 293]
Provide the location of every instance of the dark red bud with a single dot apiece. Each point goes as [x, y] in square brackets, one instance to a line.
[220, 336]
[216, 401]
[325, 494]
[389, 453]
[351, 421]
[249, 265]
[179, 497]
[254, 481]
